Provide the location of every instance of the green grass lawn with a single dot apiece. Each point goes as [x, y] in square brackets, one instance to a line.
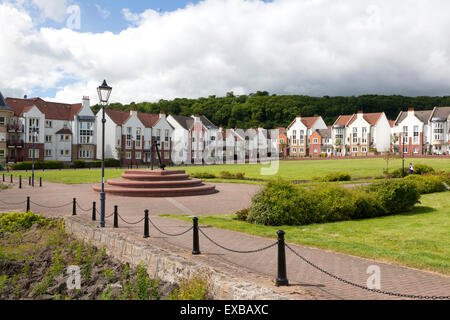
[291, 170]
[307, 169]
[419, 238]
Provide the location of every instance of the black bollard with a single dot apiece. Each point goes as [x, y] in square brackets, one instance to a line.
[28, 204]
[196, 242]
[282, 277]
[29, 180]
[40, 181]
[94, 211]
[74, 207]
[116, 217]
[20, 182]
[3, 177]
[11, 178]
[146, 226]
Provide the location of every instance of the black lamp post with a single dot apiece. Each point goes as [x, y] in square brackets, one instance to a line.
[104, 91]
[34, 132]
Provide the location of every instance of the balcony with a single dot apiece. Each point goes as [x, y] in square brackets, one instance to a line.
[15, 128]
[15, 144]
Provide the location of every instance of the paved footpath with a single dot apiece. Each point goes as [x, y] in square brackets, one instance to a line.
[230, 198]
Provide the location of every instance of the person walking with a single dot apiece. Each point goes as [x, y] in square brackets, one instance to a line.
[411, 169]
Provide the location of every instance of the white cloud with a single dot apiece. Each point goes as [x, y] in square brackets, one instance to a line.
[52, 9]
[314, 47]
[104, 13]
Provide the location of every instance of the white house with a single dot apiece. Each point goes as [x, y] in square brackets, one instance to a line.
[129, 134]
[299, 133]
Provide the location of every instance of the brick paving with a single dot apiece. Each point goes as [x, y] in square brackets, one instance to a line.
[232, 197]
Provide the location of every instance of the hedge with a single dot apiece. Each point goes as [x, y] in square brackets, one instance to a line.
[282, 203]
[336, 176]
[27, 165]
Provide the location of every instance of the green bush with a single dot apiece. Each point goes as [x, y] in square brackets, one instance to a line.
[282, 203]
[336, 176]
[422, 169]
[395, 196]
[242, 215]
[78, 164]
[427, 184]
[203, 175]
[226, 175]
[14, 221]
[27, 165]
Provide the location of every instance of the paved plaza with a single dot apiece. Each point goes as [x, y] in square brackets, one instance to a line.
[230, 198]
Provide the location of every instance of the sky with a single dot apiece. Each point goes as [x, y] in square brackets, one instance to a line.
[61, 50]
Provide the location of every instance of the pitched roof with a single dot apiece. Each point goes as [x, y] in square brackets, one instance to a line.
[309, 121]
[422, 115]
[371, 118]
[207, 123]
[392, 123]
[325, 133]
[52, 110]
[64, 131]
[3, 104]
[342, 120]
[441, 112]
[186, 122]
[148, 119]
[118, 116]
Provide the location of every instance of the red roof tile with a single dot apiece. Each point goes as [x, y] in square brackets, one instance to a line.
[371, 118]
[52, 110]
[342, 120]
[118, 116]
[148, 119]
[310, 121]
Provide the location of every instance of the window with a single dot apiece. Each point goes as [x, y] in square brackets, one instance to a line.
[416, 150]
[405, 150]
[294, 150]
[48, 139]
[355, 149]
[364, 149]
[281, 140]
[2, 153]
[416, 134]
[315, 150]
[128, 138]
[128, 155]
[138, 143]
[86, 132]
[166, 139]
[405, 134]
[315, 140]
[355, 135]
[2, 121]
[301, 150]
[48, 123]
[48, 152]
[33, 130]
[158, 135]
[85, 154]
[33, 153]
[166, 155]
[138, 155]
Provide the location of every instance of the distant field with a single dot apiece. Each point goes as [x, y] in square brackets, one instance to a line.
[307, 169]
[291, 170]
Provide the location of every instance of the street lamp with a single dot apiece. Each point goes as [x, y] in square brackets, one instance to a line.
[104, 91]
[34, 132]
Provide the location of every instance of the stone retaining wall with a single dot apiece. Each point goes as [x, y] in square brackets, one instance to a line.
[168, 266]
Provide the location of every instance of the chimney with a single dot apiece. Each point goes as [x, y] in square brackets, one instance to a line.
[196, 117]
[86, 102]
[360, 114]
[133, 112]
[410, 111]
[162, 115]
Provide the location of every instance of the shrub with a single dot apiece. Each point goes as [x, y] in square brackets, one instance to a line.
[79, 164]
[11, 222]
[240, 175]
[226, 175]
[27, 165]
[336, 176]
[395, 196]
[203, 175]
[195, 288]
[427, 184]
[365, 204]
[422, 169]
[242, 215]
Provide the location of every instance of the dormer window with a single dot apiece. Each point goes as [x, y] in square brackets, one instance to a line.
[48, 123]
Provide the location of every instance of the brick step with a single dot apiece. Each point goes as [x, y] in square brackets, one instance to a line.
[150, 177]
[154, 184]
[155, 172]
[203, 189]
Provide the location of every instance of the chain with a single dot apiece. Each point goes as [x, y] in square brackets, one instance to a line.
[237, 251]
[130, 222]
[170, 234]
[39, 205]
[82, 208]
[411, 296]
[12, 204]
